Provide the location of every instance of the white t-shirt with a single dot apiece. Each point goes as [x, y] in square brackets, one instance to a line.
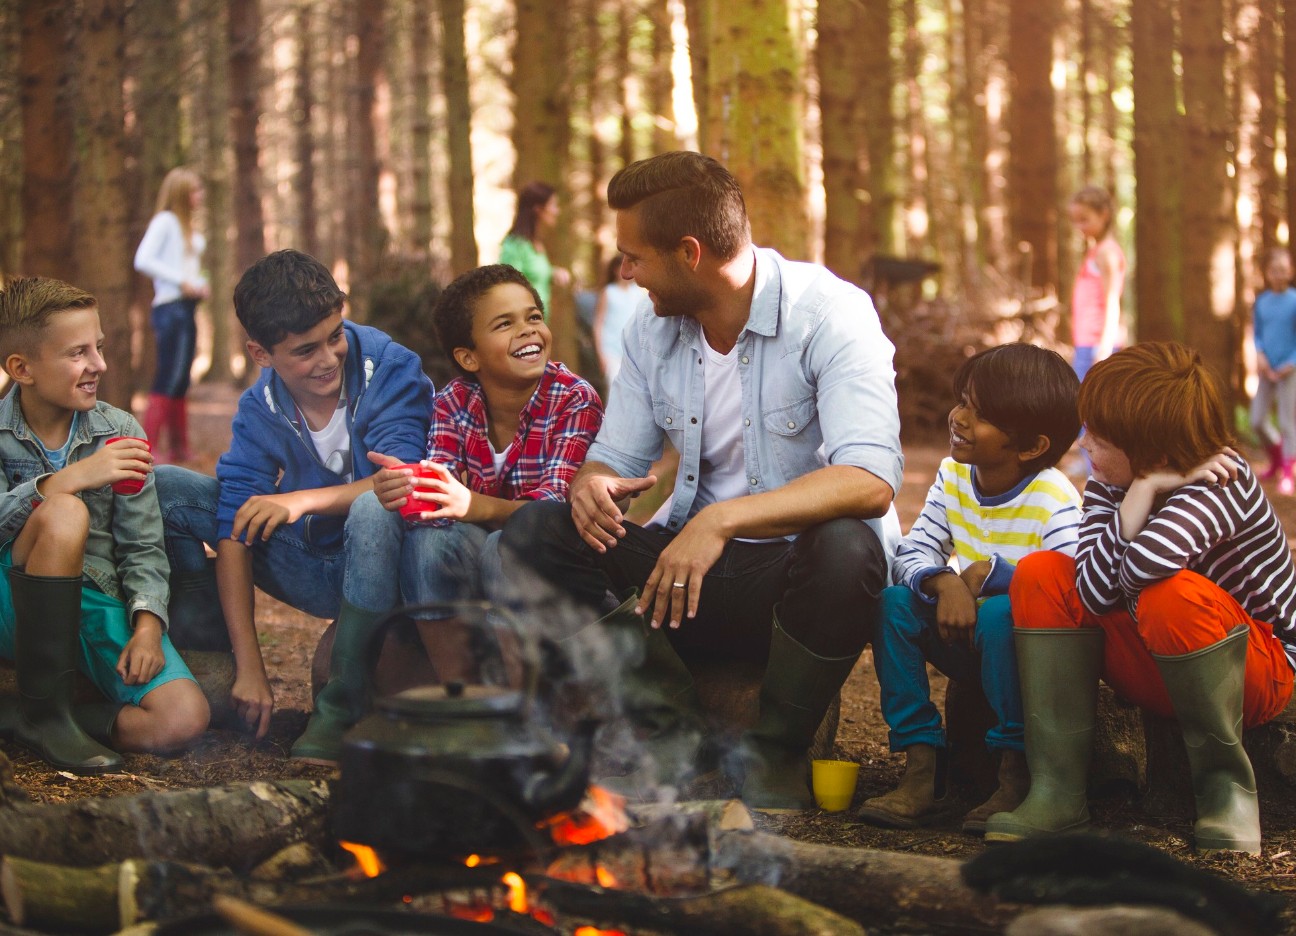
[333, 442]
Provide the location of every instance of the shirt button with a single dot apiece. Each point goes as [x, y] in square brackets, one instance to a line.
[693, 420]
[669, 420]
[791, 424]
[746, 422]
[690, 477]
[753, 481]
[745, 359]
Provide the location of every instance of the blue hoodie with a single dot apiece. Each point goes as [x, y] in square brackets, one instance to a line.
[389, 403]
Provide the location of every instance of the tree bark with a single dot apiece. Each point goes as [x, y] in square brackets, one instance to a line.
[47, 134]
[459, 179]
[304, 133]
[1033, 156]
[367, 233]
[11, 167]
[659, 80]
[244, 26]
[215, 113]
[836, 54]
[876, 79]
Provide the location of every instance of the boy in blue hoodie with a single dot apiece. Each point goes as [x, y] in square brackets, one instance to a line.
[330, 392]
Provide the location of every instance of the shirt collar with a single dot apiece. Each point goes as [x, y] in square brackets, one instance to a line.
[766, 296]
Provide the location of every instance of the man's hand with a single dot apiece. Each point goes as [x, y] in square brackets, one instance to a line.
[594, 507]
[141, 659]
[253, 701]
[123, 460]
[394, 484]
[956, 608]
[674, 588]
[262, 514]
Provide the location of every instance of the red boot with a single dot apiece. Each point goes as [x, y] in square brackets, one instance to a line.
[179, 425]
[1287, 485]
[157, 415]
[1274, 452]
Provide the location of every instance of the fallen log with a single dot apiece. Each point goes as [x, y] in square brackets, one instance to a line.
[233, 826]
[877, 887]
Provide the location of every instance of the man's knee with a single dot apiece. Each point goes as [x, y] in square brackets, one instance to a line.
[844, 553]
[535, 529]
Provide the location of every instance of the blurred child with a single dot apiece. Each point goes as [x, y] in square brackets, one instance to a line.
[995, 500]
[1096, 295]
[1181, 596]
[1274, 326]
[512, 429]
[616, 303]
[86, 583]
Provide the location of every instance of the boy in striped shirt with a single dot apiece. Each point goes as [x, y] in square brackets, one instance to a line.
[1182, 596]
[997, 499]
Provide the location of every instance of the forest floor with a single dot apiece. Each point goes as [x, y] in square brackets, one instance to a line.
[289, 637]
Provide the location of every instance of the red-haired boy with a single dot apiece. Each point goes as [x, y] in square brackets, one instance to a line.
[1182, 596]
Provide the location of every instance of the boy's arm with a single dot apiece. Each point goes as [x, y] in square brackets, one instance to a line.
[924, 552]
[262, 514]
[1100, 549]
[251, 696]
[400, 426]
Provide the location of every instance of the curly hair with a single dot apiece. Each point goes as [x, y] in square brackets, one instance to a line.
[452, 316]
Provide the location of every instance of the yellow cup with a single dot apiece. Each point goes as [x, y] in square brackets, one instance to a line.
[834, 783]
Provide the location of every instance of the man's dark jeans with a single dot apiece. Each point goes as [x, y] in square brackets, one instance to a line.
[826, 583]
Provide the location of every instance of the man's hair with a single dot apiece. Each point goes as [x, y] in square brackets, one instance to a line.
[26, 305]
[452, 316]
[285, 293]
[1156, 401]
[683, 194]
[1027, 392]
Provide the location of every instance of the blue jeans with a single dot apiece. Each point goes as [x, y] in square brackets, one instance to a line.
[176, 336]
[907, 640]
[295, 572]
[390, 563]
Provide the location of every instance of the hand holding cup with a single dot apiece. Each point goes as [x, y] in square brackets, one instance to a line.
[129, 485]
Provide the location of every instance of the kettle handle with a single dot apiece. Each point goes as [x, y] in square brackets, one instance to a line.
[492, 619]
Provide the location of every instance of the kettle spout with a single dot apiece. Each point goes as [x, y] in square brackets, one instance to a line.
[563, 789]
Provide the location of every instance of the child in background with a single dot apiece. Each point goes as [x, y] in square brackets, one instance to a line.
[1181, 596]
[995, 500]
[1096, 295]
[330, 392]
[616, 303]
[513, 428]
[171, 253]
[87, 575]
[1274, 326]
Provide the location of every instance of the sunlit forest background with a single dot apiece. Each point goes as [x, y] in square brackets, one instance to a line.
[926, 149]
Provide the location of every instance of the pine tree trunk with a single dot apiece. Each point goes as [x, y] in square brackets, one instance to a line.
[214, 112]
[304, 133]
[697, 18]
[622, 63]
[420, 130]
[367, 234]
[755, 99]
[659, 80]
[245, 108]
[1289, 108]
[592, 81]
[11, 167]
[101, 246]
[1033, 158]
[1208, 229]
[1158, 171]
[876, 79]
[918, 200]
[1265, 70]
[47, 134]
[836, 54]
[459, 180]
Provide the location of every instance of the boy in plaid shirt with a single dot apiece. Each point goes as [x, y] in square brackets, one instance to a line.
[513, 428]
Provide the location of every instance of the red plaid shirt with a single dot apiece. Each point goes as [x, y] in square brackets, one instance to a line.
[554, 431]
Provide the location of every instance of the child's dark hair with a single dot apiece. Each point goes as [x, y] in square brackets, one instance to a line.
[26, 305]
[1027, 392]
[285, 293]
[452, 316]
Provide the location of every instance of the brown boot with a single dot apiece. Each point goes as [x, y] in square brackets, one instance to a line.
[1014, 783]
[916, 798]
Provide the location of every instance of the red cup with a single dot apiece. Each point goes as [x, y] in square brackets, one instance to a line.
[413, 506]
[130, 485]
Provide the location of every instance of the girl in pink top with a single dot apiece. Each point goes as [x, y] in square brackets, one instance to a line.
[1095, 298]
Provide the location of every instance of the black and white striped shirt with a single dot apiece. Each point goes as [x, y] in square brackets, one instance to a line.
[1226, 533]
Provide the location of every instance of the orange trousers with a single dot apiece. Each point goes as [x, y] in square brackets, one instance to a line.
[1183, 613]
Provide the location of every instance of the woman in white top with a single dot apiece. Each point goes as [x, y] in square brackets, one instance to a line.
[616, 302]
[171, 253]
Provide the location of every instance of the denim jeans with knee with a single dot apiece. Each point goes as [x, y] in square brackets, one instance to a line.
[391, 563]
[286, 567]
[907, 640]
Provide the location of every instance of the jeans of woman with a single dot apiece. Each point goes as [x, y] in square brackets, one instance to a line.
[176, 336]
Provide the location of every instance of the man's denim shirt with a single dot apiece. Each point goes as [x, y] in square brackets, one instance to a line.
[818, 388]
[124, 554]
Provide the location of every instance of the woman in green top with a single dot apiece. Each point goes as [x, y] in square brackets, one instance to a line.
[523, 249]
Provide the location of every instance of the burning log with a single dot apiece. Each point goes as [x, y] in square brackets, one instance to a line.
[232, 826]
[877, 887]
[742, 909]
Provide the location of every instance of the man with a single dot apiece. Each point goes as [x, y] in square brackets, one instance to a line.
[774, 382]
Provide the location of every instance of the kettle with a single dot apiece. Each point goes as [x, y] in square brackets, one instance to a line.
[451, 770]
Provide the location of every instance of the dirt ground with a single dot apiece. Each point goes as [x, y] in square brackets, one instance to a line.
[288, 639]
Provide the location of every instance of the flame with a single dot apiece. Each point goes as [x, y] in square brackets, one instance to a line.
[600, 814]
[478, 913]
[604, 877]
[472, 861]
[595, 931]
[517, 894]
[366, 858]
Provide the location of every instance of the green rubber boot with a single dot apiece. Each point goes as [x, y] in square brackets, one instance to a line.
[1206, 687]
[195, 618]
[1059, 683]
[796, 691]
[345, 697]
[47, 641]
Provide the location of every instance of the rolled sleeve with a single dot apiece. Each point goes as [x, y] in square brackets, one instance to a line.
[16, 507]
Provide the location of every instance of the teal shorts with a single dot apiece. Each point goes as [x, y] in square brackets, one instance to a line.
[104, 633]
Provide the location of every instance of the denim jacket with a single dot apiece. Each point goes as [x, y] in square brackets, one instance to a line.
[818, 388]
[124, 556]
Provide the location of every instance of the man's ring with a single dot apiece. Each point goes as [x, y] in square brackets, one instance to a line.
[678, 585]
